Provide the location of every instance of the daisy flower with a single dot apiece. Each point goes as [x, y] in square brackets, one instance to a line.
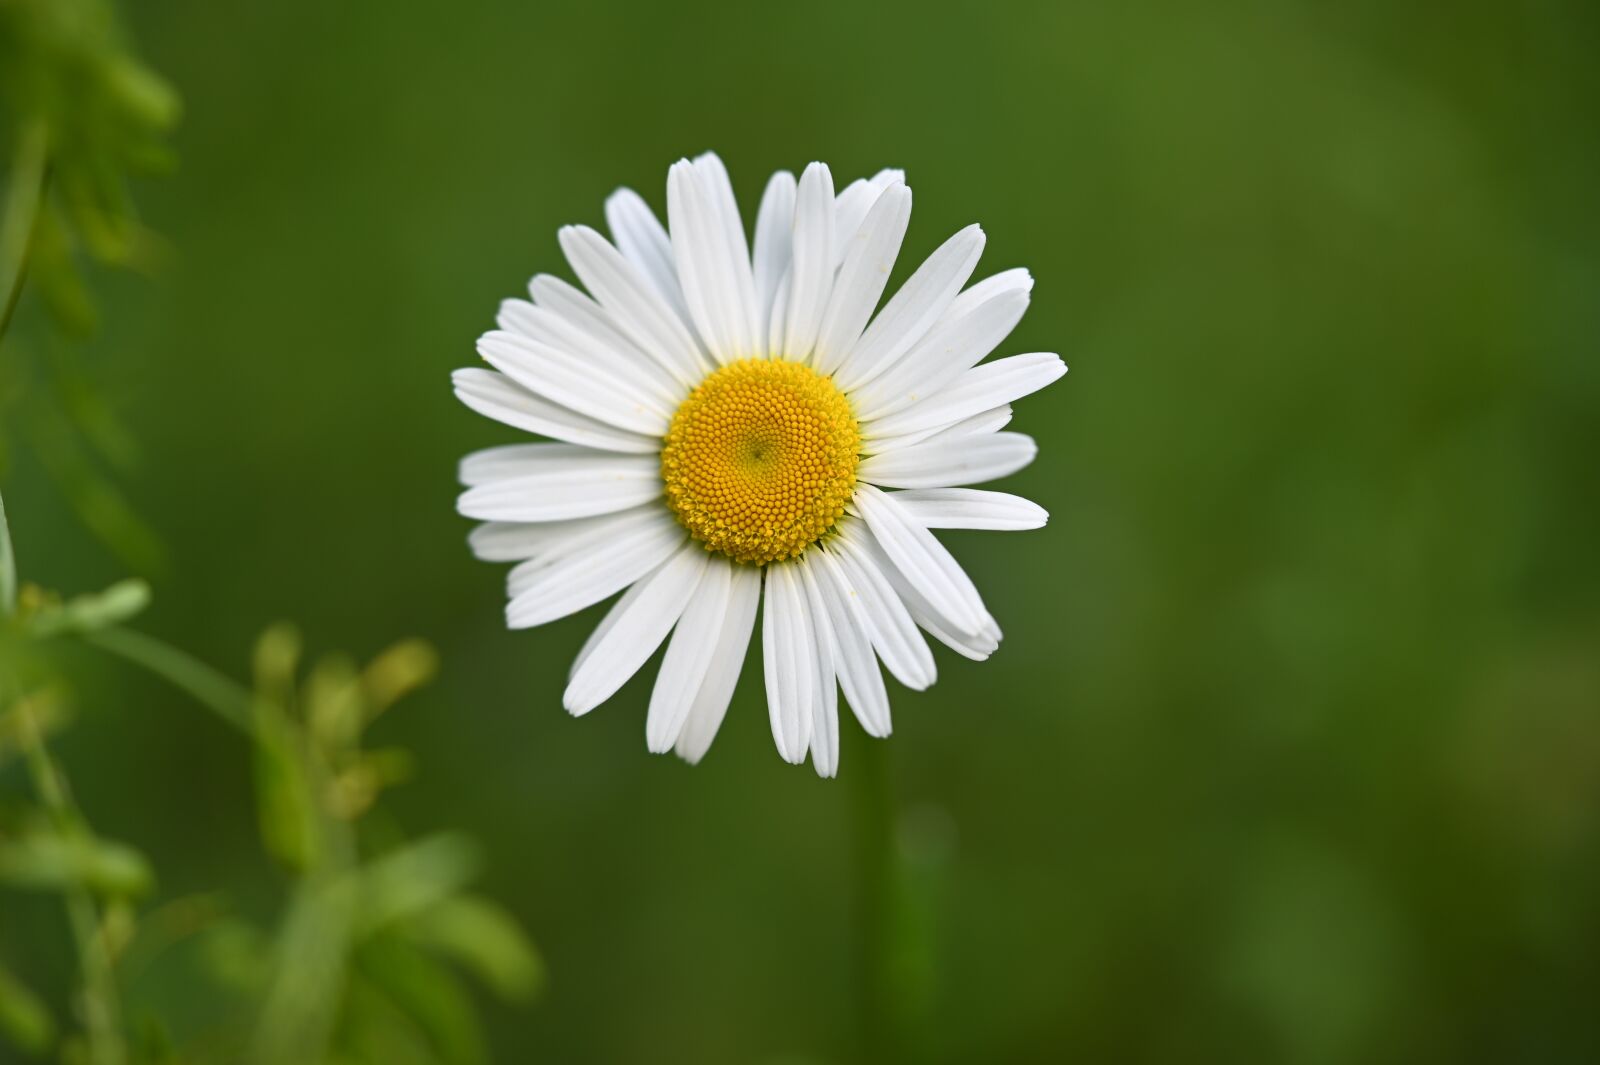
[731, 427]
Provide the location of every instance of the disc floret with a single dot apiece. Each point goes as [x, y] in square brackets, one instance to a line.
[760, 459]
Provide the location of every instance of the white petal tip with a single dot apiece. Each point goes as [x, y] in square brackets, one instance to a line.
[575, 706]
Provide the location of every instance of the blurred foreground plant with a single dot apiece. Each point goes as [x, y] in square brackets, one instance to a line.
[364, 962]
[79, 116]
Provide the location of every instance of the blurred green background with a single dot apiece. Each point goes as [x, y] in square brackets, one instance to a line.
[1292, 749]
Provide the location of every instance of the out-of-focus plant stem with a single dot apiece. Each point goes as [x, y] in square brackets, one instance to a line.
[213, 690]
[101, 1009]
[872, 808]
[301, 1005]
[30, 170]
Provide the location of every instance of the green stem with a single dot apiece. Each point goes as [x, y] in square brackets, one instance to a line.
[872, 804]
[30, 170]
[213, 690]
[102, 1013]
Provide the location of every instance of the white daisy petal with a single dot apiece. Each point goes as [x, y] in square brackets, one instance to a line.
[494, 395]
[977, 646]
[592, 486]
[852, 205]
[825, 696]
[633, 303]
[616, 361]
[981, 424]
[913, 310]
[619, 610]
[643, 241]
[951, 347]
[917, 554]
[583, 313]
[517, 460]
[979, 389]
[854, 660]
[712, 259]
[634, 629]
[689, 655]
[894, 634]
[514, 541]
[749, 341]
[789, 661]
[861, 280]
[970, 508]
[571, 382]
[711, 702]
[778, 317]
[941, 463]
[1016, 279]
[582, 572]
[774, 245]
[811, 273]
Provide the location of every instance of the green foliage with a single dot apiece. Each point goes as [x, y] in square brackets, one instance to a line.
[40, 857]
[68, 77]
[79, 116]
[43, 615]
[366, 939]
[365, 963]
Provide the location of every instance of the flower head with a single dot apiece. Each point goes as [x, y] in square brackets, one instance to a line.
[725, 423]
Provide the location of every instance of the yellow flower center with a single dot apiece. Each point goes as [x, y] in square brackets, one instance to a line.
[761, 459]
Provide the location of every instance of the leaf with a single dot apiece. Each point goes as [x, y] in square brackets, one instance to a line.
[397, 672]
[24, 1018]
[483, 937]
[412, 879]
[428, 995]
[44, 859]
[93, 612]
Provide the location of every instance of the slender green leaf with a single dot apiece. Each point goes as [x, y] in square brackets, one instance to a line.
[93, 612]
[484, 938]
[211, 689]
[429, 995]
[47, 859]
[18, 223]
[414, 878]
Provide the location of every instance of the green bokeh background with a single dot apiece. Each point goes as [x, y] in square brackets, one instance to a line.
[1292, 749]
